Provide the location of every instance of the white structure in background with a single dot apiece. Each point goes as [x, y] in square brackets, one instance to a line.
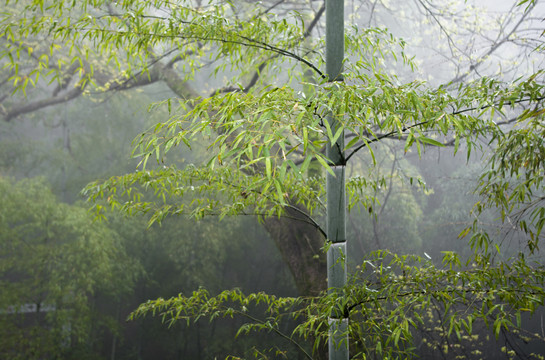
[28, 308]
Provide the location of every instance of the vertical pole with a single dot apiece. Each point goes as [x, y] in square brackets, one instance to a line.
[336, 204]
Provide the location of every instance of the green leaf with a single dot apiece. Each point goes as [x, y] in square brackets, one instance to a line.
[430, 141]
[324, 164]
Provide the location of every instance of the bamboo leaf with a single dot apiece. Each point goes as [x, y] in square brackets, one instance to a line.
[324, 164]
[430, 141]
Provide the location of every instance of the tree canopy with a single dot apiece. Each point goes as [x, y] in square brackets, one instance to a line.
[266, 128]
[54, 256]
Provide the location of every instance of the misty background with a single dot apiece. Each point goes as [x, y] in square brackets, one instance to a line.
[105, 269]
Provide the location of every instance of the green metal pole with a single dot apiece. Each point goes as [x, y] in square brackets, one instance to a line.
[336, 204]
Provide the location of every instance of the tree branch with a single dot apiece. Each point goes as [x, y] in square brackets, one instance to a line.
[30, 107]
[389, 134]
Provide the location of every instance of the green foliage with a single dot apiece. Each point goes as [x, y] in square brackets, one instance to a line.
[515, 179]
[229, 303]
[261, 142]
[124, 36]
[54, 258]
[387, 302]
[271, 129]
[182, 255]
[263, 138]
[278, 131]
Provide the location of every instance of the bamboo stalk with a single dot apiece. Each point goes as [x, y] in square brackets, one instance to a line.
[336, 203]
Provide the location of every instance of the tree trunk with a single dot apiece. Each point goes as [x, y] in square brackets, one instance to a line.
[300, 244]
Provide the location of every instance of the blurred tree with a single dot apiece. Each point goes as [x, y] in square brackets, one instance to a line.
[54, 260]
[100, 134]
[181, 256]
[73, 144]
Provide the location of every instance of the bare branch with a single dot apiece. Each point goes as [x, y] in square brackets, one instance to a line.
[30, 107]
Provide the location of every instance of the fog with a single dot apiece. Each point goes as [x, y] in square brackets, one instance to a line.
[70, 277]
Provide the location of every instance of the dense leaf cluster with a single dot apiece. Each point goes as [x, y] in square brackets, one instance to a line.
[389, 301]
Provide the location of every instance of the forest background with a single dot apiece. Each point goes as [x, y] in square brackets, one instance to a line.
[81, 278]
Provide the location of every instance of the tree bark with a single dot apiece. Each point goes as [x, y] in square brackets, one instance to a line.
[300, 244]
